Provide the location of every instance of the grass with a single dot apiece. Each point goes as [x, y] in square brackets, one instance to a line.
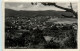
[63, 20]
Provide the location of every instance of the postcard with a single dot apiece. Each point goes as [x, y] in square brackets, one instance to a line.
[40, 25]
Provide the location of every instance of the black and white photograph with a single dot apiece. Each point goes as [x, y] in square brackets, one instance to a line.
[41, 25]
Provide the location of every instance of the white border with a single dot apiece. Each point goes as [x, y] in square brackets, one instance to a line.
[40, 1]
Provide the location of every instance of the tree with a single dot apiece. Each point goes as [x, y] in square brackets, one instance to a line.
[66, 9]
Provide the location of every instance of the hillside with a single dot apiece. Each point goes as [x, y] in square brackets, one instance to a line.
[9, 12]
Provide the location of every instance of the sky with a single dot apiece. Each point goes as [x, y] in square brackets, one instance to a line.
[39, 7]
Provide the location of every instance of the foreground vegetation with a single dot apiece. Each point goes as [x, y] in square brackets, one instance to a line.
[39, 33]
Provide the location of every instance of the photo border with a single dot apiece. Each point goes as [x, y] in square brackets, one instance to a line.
[3, 25]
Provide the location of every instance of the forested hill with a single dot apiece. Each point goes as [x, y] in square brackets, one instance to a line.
[21, 13]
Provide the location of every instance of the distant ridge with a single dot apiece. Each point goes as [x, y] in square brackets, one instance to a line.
[22, 13]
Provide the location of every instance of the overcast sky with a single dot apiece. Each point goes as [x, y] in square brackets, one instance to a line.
[39, 6]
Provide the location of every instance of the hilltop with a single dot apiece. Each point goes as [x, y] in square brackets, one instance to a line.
[23, 13]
